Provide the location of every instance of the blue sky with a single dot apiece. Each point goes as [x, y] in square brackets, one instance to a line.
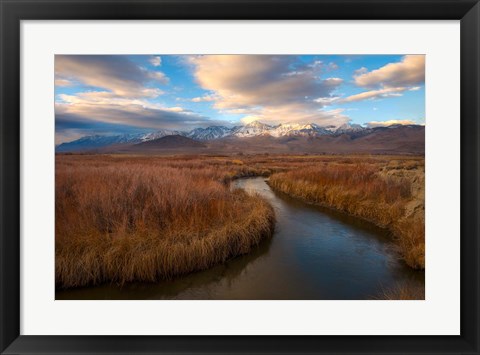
[140, 93]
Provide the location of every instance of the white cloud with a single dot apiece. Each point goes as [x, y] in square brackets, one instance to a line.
[373, 124]
[271, 89]
[158, 76]
[156, 61]
[326, 101]
[374, 94]
[63, 82]
[297, 114]
[332, 66]
[377, 94]
[391, 80]
[334, 82]
[108, 108]
[115, 73]
[360, 71]
[410, 71]
[205, 98]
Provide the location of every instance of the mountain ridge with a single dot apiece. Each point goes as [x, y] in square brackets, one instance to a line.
[216, 133]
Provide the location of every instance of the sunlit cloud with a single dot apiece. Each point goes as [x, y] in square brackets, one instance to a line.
[375, 94]
[409, 72]
[114, 73]
[63, 82]
[326, 101]
[97, 94]
[373, 124]
[205, 98]
[107, 108]
[277, 88]
[391, 80]
[156, 61]
[298, 114]
[133, 114]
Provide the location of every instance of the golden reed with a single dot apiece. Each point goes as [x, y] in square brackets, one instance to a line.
[390, 195]
[134, 219]
[122, 218]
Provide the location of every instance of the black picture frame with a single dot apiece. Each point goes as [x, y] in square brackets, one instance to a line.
[14, 11]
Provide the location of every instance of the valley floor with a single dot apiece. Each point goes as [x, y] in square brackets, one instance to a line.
[122, 218]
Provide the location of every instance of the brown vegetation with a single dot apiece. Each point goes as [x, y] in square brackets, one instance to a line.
[128, 218]
[144, 219]
[387, 193]
[403, 292]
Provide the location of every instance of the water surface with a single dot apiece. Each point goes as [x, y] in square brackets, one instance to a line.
[315, 253]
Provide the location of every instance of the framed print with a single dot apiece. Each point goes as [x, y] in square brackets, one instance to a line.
[239, 177]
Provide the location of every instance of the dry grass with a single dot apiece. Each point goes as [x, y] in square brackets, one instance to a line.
[403, 292]
[122, 218]
[138, 219]
[387, 193]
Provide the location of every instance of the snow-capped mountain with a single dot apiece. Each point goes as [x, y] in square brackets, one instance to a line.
[212, 133]
[292, 129]
[209, 133]
[98, 141]
[252, 129]
[296, 129]
[349, 128]
[161, 133]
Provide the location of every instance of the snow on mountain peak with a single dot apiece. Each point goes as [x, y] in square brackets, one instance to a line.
[257, 124]
[161, 133]
[209, 133]
[251, 129]
[349, 127]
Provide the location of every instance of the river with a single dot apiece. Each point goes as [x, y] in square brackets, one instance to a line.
[315, 253]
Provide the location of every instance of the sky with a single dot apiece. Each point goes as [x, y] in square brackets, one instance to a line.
[118, 94]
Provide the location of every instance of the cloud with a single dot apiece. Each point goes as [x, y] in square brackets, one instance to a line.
[366, 95]
[63, 82]
[373, 124]
[204, 98]
[410, 71]
[391, 80]
[375, 94]
[360, 71]
[158, 76]
[114, 73]
[326, 101]
[333, 82]
[273, 89]
[102, 111]
[69, 128]
[107, 108]
[100, 98]
[156, 61]
[116, 98]
[332, 66]
[297, 114]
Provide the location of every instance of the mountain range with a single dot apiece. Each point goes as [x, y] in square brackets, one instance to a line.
[258, 136]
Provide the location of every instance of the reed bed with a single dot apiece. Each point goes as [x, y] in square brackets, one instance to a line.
[122, 218]
[403, 292]
[388, 194]
[133, 219]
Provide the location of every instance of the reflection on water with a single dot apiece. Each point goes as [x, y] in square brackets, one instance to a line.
[315, 253]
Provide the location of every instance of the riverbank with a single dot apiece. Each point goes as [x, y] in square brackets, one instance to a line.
[314, 254]
[389, 195]
[123, 218]
[145, 220]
